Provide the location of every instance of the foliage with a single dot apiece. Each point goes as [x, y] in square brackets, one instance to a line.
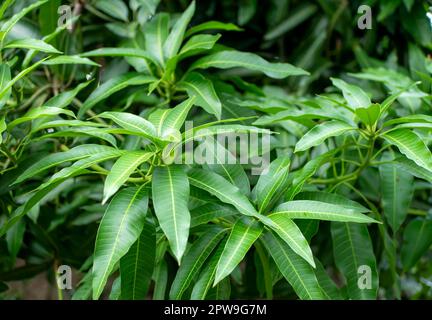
[92, 112]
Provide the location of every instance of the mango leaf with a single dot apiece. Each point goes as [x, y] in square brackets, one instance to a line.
[175, 118]
[232, 58]
[355, 96]
[410, 144]
[3, 127]
[417, 238]
[155, 36]
[197, 86]
[112, 86]
[243, 235]
[119, 229]
[5, 78]
[322, 132]
[197, 44]
[210, 211]
[115, 8]
[296, 271]
[70, 60]
[170, 189]
[34, 44]
[354, 257]
[136, 267]
[369, 115]
[194, 260]
[175, 38]
[397, 191]
[310, 209]
[122, 169]
[40, 112]
[55, 159]
[332, 198]
[292, 235]
[411, 167]
[212, 25]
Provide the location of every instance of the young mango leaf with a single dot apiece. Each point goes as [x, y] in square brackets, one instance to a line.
[410, 144]
[122, 169]
[354, 257]
[136, 267]
[119, 229]
[232, 59]
[112, 86]
[175, 38]
[197, 86]
[310, 209]
[397, 191]
[170, 189]
[194, 260]
[33, 44]
[322, 132]
[417, 239]
[243, 235]
[292, 235]
[296, 270]
[212, 25]
[355, 96]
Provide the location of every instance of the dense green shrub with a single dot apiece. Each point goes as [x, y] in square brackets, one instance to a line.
[108, 126]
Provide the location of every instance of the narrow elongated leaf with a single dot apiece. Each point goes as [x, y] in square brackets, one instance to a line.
[175, 38]
[70, 60]
[40, 112]
[411, 146]
[3, 127]
[354, 257]
[55, 159]
[310, 209]
[175, 118]
[112, 86]
[114, 8]
[417, 239]
[170, 188]
[208, 212]
[34, 44]
[296, 270]
[355, 96]
[332, 198]
[197, 86]
[194, 260]
[396, 190]
[243, 235]
[327, 285]
[212, 25]
[232, 59]
[222, 189]
[291, 234]
[119, 229]
[410, 166]
[136, 267]
[5, 78]
[155, 36]
[197, 44]
[322, 132]
[122, 169]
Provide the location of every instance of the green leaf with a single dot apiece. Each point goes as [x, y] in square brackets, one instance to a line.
[310, 209]
[354, 257]
[198, 44]
[175, 38]
[246, 11]
[222, 189]
[296, 270]
[161, 278]
[332, 198]
[207, 275]
[8, 25]
[170, 188]
[70, 60]
[369, 115]
[175, 118]
[194, 260]
[136, 267]
[197, 85]
[230, 59]
[112, 86]
[413, 168]
[155, 36]
[410, 144]
[292, 235]
[208, 212]
[3, 127]
[327, 285]
[55, 159]
[133, 123]
[119, 229]
[115, 8]
[212, 25]
[397, 191]
[417, 238]
[122, 169]
[243, 235]
[34, 44]
[355, 96]
[37, 113]
[5, 78]
[322, 132]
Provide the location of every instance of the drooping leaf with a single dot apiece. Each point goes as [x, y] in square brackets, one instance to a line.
[34, 44]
